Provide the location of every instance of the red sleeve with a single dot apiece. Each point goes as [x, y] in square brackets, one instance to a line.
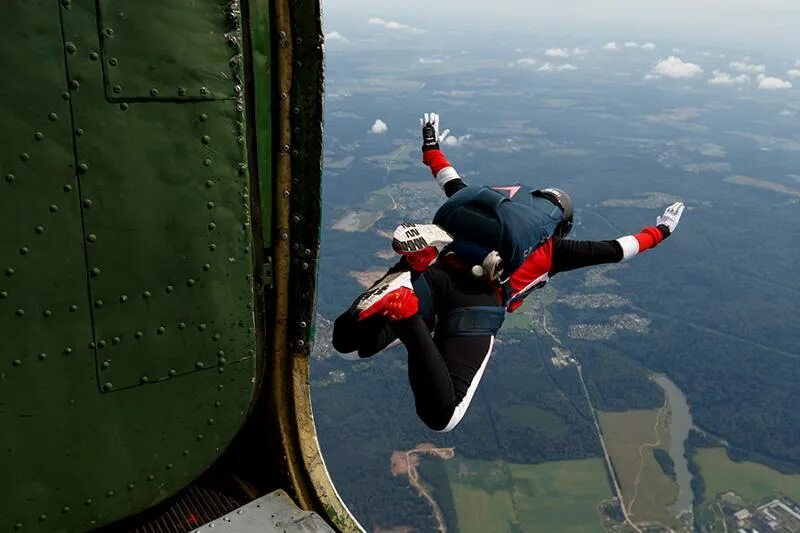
[648, 238]
[436, 160]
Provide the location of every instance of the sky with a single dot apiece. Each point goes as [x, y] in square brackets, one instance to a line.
[766, 26]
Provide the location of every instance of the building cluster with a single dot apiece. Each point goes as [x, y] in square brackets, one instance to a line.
[777, 516]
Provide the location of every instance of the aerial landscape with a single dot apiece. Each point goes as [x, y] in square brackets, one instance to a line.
[655, 396]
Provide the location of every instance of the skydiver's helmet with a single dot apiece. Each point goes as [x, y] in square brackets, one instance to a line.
[563, 201]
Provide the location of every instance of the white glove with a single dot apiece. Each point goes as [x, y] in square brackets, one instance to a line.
[671, 216]
[430, 131]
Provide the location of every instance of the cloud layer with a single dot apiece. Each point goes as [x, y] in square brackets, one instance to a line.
[769, 83]
[723, 78]
[675, 68]
[749, 68]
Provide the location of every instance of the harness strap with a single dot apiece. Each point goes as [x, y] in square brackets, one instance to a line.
[477, 321]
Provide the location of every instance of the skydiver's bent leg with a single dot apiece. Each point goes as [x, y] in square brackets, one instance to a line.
[443, 378]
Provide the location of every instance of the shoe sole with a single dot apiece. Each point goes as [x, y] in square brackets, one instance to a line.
[409, 238]
[383, 287]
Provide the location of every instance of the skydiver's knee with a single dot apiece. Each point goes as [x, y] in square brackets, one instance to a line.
[344, 339]
[437, 420]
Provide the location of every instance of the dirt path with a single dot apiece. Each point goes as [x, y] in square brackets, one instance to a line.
[405, 463]
[641, 454]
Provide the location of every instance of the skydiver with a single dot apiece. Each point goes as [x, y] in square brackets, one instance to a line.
[446, 298]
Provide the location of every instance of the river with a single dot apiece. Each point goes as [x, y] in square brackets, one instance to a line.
[680, 424]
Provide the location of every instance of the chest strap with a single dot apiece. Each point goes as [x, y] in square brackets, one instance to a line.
[478, 321]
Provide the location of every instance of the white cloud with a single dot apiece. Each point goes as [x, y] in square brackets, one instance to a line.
[649, 46]
[392, 25]
[768, 83]
[674, 67]
[335, 36]
[550, 67]
[430, 60]
[794, 73]
[750, 68]
[610, 46]
[379, 127]
[452, 140]
[723, 78]
[528, 61]
[556, 52]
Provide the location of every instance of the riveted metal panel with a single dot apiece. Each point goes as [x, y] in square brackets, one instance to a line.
[99, 190]
[165, 200]
[175, 50]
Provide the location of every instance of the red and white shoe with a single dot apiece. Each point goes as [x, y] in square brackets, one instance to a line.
[420, 243]
[393, 297]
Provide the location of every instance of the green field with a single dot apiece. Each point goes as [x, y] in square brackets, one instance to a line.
[502, 497]
[630, 438]
[751, 481]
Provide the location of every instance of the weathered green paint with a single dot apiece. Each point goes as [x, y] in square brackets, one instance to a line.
[261, 37]
[129, 197]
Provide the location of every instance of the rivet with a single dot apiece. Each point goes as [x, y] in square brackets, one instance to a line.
[117, 89]
[74, 85]
[144, 379]
[53, 208]
[116, 340]
[206, 139]
[107, 387]
[73, 308]
[154, 92]
[212, 226]
[79, 132]
[305, 266]
[66, 509]
[10, 272]
[200, 437]
[131, 486]
[203, 117]
[202, 327]
[221, 369]
[98, 303]
[182, 325]
[209, 184]
[20, 312]
[138, 335]
[216, 336]
[24, 250]
[67, 188]
[16, 362]
[24, 156]
[251, 352]
[237, 89]
[10, 178]
[47, 313]
[217, 403]
[169, 466]
[83, 167]
[65, 95]
[52, 116]
[206, 267]
[94, 56]
[151, 477]
[172, 372]
[67, 350]
[146, 295]
[42, 518]
[161, 330]
[123, 106]
[190, 282]
[210, 205]
[169, 289]
[303, 324]
[210, 421]
[240, 140]
[284, 96]
[38, 135]
[101, 344]
[92, 345]
[87, 501]
[87, 203]
[222, 360]
[207, 162]
[284, 236]
[109, 32]
[221, 353]
[185, 453]
[239, 108]
[296, 219]
[286, 193]
[203, 91]
[242, 168]
[113, 61]
[3, 295]
[17, 526]
[219, 387]
[212, 247]
[301, 343]
[105, 365]
[181, 91]
[123, 298]
[92, 237]
[39, 230]
[42, 356]
[95, 272]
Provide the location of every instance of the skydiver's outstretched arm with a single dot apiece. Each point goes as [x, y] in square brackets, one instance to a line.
[446, 176]
[569, 255]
